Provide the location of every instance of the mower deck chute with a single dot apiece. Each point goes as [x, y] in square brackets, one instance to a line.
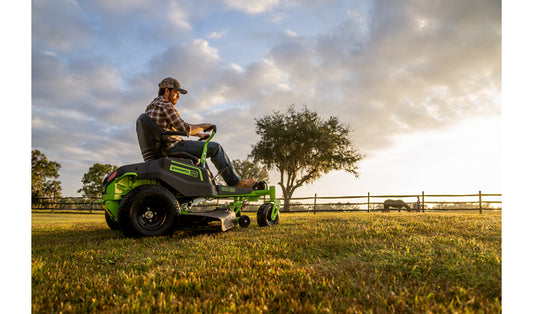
[223, 217]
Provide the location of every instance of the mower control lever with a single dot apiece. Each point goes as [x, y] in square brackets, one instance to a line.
[212, 129]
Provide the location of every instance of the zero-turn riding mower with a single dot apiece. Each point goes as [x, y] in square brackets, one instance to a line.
[157, 197]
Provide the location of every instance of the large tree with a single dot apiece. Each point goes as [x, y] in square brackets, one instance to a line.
[43, 176]
[302, 147]
[92, 180]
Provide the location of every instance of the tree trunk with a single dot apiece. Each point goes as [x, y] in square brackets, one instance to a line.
[286, 203]
[287, 195]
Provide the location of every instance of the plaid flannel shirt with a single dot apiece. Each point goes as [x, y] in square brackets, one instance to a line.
[168, 118]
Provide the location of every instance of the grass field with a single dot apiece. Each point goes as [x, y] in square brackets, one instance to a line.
[328, 262]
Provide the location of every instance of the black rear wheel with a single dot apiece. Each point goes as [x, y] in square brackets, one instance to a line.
[264, 216]
[113, 225]
[148, 211]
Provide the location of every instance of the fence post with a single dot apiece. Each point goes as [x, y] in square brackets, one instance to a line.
[480, 204]
[368, 203]
[314, 206]
[423, 208]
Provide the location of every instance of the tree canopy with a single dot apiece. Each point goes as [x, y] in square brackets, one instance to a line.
[303, 147]
[43, 176]
[92, 180]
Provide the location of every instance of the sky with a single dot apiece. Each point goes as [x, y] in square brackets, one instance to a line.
[418, 82]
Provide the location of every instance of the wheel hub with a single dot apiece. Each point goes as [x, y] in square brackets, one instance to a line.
[150, 218]
[148, 214]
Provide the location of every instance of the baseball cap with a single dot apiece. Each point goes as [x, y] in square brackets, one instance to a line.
[172, 83]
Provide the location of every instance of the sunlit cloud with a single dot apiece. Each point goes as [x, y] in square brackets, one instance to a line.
[252, 7]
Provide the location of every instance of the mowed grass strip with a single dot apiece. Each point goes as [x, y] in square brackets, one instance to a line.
[328, 262]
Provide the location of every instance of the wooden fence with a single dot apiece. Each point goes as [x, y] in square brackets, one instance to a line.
[418, 202]
[65, 203]
[362, 203]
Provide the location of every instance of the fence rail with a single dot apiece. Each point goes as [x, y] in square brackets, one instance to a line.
[65, 203]
[370, 203]
[422, 202]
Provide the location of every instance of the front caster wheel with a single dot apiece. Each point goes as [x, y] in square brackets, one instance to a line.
[264, 216]
[244, 221]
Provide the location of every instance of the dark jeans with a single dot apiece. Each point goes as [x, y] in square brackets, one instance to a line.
[217, 155]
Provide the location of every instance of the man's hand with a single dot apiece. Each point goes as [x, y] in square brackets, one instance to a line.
[203, 136]
[210, 128]
[197, 129]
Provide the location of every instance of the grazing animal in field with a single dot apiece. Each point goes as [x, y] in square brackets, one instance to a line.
[399, 204]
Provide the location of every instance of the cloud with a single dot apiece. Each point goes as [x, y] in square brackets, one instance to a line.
[392, 77]
[435, 76]
[123, 24]
[217, 35]
[290, 33]
[190, 63]
[178, 17]
[252, 7]
[61, 25]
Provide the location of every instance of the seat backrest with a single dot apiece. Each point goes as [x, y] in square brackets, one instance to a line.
[151, 141]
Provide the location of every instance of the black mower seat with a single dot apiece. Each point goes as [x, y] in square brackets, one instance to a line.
[195, 160]
[153, 140]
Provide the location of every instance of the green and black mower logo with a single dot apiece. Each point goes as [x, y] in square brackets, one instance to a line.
[228, 189]
[183, 169]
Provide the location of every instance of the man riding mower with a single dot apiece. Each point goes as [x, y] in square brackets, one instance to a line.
[157, 197]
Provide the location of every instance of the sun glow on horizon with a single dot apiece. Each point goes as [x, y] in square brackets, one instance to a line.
[462, 160]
